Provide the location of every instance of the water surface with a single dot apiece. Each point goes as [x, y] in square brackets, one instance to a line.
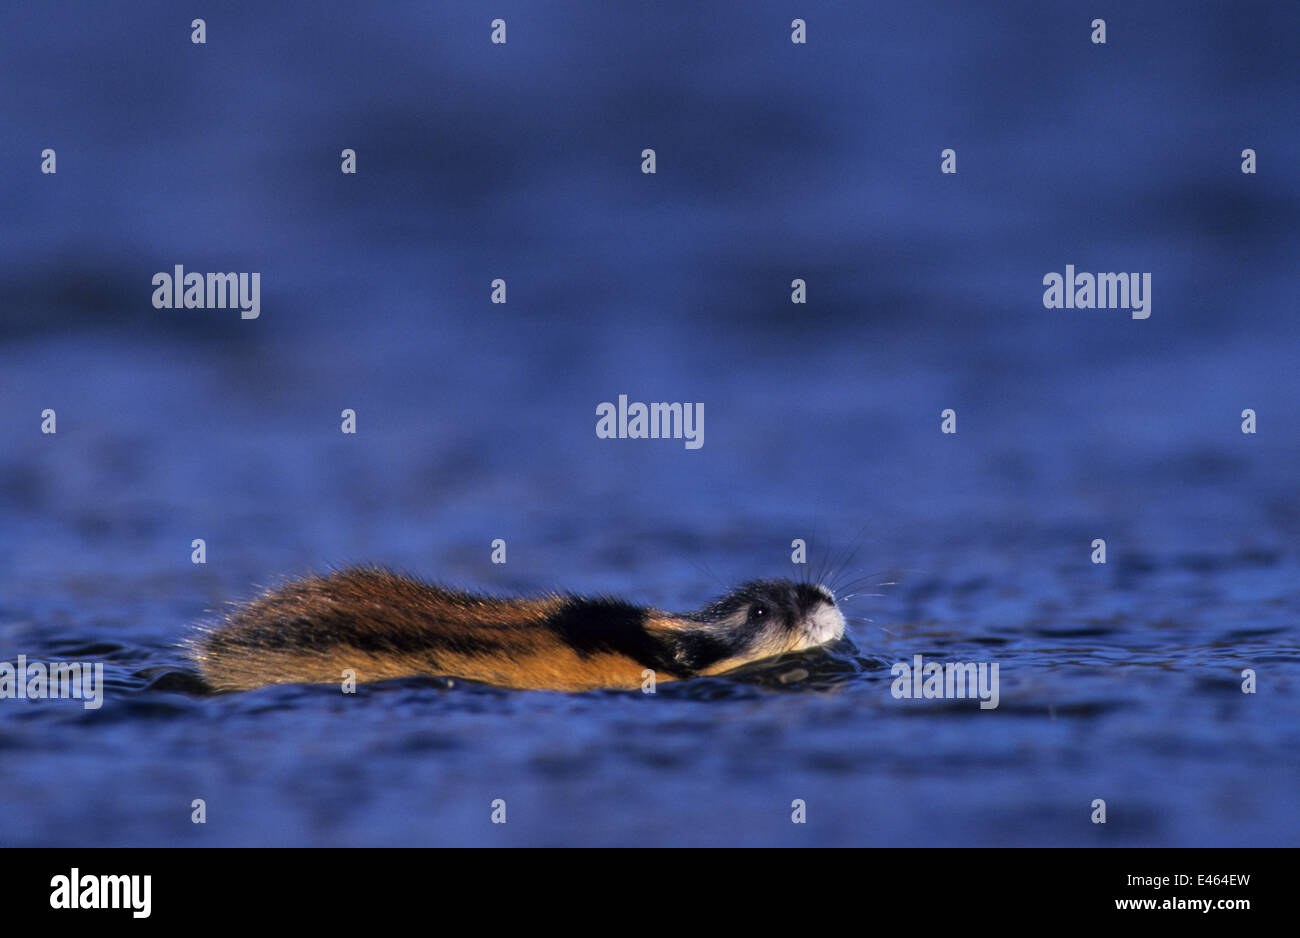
[1119, 681]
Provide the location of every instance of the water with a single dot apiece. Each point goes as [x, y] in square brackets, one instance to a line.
[1119, 682]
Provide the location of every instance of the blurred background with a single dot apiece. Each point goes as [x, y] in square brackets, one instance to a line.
[476, 420]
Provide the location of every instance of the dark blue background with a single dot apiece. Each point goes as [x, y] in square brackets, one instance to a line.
[476, 421]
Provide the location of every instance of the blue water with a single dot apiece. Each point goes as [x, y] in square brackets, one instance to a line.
[476, 421]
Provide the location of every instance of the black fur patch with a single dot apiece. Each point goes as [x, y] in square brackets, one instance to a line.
[595, 626]
[698, 650]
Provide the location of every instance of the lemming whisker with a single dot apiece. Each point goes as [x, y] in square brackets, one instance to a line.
[857, 543]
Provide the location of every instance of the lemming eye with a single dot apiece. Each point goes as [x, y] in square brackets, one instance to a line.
[757, 612]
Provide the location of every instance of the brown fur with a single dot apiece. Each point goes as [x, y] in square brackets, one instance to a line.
[381, 625]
